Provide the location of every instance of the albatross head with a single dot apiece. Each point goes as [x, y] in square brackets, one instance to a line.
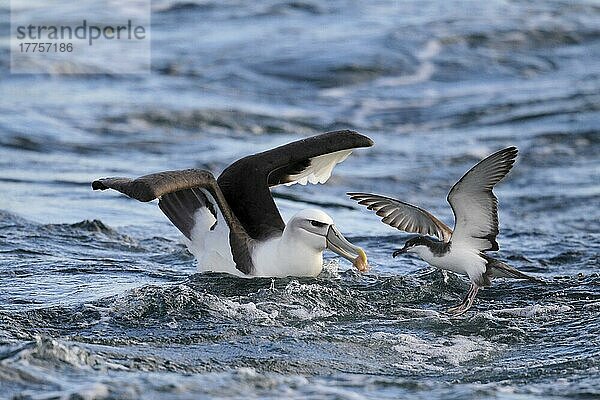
[316, 230]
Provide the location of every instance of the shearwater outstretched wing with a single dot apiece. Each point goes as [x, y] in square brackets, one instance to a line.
[403, 216]
[474, 204]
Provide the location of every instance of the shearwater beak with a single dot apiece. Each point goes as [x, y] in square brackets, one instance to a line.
[337, 243]
[400, 251]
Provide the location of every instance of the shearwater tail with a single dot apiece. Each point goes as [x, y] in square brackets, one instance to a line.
[461, 250]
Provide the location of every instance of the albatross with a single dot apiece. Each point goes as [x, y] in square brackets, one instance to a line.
[231, 224]
[461, 250]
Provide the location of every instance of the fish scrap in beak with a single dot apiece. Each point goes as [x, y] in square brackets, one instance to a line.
[337, 243]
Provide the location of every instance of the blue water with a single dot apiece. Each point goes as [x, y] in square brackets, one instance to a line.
[100, 299]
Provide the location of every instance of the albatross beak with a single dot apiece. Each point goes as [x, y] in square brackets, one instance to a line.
[337, 243]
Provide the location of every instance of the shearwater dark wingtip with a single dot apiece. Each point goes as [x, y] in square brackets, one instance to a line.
[513, 150]
[509, 149]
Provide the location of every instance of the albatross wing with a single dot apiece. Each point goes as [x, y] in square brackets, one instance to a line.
[194, 203]
[246, 183]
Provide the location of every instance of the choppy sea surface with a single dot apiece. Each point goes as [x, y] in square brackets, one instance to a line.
[99, 298]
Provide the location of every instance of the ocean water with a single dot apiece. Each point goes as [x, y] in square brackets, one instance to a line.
[99, 298]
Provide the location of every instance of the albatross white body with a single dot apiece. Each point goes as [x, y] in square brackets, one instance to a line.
[296, 252]
[211, 247]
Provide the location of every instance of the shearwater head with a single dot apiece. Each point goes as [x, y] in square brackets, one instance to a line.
[419, 245]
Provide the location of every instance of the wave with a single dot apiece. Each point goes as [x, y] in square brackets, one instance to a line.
[166, 7]
[239, 9]
[149, 304]
[225, 121]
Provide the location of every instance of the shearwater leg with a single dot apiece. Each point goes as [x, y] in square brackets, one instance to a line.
[466, 303]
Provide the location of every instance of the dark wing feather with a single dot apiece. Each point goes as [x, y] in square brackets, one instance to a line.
[181, 206]
[404, 216]
[149, 187]
[246, 183]
[181, 193]
[474, 204]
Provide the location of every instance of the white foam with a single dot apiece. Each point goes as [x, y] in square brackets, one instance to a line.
[331, 268]
[54, 350]
[91, 391]
[438, 353]
[419, 312]
[595, 305]
[239, 311]
[535, 311]
[423, 73]
[432, 48]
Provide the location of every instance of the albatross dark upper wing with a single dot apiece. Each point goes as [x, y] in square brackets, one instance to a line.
[246, 183]
[474, 204]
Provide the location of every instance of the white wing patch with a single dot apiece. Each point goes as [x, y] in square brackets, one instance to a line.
[320, 168]
[211, 247]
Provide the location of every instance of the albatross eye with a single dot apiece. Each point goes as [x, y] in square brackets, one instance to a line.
[317, 223]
